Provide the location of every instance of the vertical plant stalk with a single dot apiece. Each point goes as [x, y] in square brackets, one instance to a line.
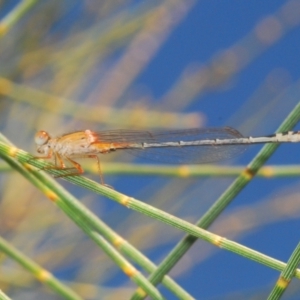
[224, 200]
[286, 275]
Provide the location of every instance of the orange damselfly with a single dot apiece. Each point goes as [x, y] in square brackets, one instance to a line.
[185, 146]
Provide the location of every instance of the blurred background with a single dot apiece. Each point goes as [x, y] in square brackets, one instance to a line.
[76, 65]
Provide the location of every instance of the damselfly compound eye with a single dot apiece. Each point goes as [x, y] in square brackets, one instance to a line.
[41, 137]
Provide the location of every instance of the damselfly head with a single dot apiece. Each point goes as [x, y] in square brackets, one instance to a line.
[41, 138]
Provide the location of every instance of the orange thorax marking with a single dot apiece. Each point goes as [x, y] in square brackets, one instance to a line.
[108, 147]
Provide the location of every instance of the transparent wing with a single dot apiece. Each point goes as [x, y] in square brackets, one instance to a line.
[176, 155]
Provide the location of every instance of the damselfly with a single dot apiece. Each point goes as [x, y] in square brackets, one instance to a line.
[186, 146]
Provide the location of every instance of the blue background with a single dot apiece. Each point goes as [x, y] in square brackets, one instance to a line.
[255, 99]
